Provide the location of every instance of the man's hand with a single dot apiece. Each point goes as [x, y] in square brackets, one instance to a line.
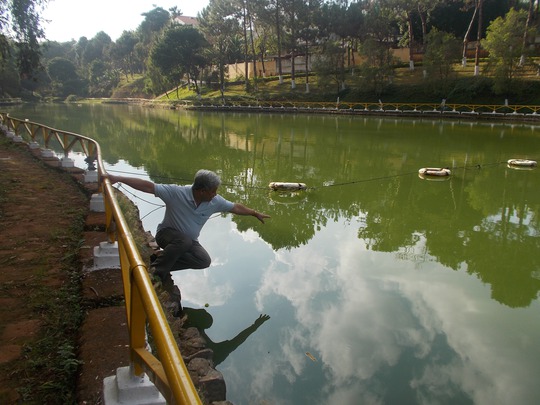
[260, 216]
[240, 209]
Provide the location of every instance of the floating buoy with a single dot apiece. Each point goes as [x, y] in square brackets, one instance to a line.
[434, 172]
[282, 186]
[521, 163]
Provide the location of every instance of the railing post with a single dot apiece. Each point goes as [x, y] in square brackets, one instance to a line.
[91, 173]
[67, 162]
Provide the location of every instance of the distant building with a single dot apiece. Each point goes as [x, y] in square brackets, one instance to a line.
[185, 20]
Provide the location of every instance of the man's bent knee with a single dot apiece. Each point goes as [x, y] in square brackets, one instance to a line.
[203, 264]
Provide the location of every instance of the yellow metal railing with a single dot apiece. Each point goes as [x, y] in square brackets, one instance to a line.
[169, 372]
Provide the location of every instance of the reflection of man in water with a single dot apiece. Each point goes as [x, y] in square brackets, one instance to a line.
[201, 319]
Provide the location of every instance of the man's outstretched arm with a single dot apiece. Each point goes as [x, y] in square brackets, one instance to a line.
[138, 184]
[240, 209]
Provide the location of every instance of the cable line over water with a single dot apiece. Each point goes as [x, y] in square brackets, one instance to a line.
[324, 185]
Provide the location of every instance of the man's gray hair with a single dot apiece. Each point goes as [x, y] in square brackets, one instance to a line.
[206, 180]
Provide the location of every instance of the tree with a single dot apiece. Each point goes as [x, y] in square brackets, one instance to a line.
[354, 26]
[526, 31]
[345, 23]
[80, 47]
[64, 77]
[504, 39]
[482, 10]
[10, 81]
[243, 15]
[97, 48]
[149, 30]
[307, 31]
[425, 9]
[402, 11]
[376, 72]
[20, 21]
[60, 69]
[53, 49]
[102, 78]
[94, 61]
[251, 24]
[381, 31]
[124, 52]
[408, 11]
[277, 7]
[328, 65]
[154, 22]
[264, 31]
[181, 51]
[291, 9]
[468, 32]
[442, 50]
[220, 29]
[155, 82]
[478, 37]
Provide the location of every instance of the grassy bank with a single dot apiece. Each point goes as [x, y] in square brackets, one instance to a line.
[406, 86]
[42, 215]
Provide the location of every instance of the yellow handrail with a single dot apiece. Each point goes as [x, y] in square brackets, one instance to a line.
[168, 373]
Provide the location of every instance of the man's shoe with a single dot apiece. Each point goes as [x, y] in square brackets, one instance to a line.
[159, 277]
[154, 256]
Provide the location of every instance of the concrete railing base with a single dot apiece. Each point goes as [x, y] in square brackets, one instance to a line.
[97, 203]
[91, 176]
[47, 153]
[67, 162]
[106, 256]
[125, 388]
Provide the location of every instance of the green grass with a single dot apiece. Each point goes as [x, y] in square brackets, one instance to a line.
[51, 370]
[48, 366]
[131, 87]
[406, 86]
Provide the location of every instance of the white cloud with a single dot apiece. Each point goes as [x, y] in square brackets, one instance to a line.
[71, 19]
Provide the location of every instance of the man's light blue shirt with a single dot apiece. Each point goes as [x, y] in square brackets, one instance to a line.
[181, 211]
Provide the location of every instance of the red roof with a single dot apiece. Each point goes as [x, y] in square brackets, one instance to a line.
[185, 20]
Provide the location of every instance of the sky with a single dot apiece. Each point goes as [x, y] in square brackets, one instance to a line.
[72, 19]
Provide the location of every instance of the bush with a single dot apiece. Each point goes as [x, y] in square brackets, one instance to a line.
[475, 89]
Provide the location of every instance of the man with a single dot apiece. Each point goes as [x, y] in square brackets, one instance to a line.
[187, 208]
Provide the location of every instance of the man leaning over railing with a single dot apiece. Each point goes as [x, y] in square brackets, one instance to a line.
[187, 208]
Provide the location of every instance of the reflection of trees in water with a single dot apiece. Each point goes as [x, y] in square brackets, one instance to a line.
[461, 220]
[499, 247]
[485, 219]
[489, 226]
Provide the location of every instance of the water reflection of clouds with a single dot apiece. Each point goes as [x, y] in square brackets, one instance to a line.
[230, 267]
[361, 312]
[379, 313]
[207, 291]
[248, 236]
[296, 277]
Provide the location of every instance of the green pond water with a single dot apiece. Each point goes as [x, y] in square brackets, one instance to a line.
[381, 287]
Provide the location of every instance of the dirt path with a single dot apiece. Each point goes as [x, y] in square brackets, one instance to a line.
[52, 320]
